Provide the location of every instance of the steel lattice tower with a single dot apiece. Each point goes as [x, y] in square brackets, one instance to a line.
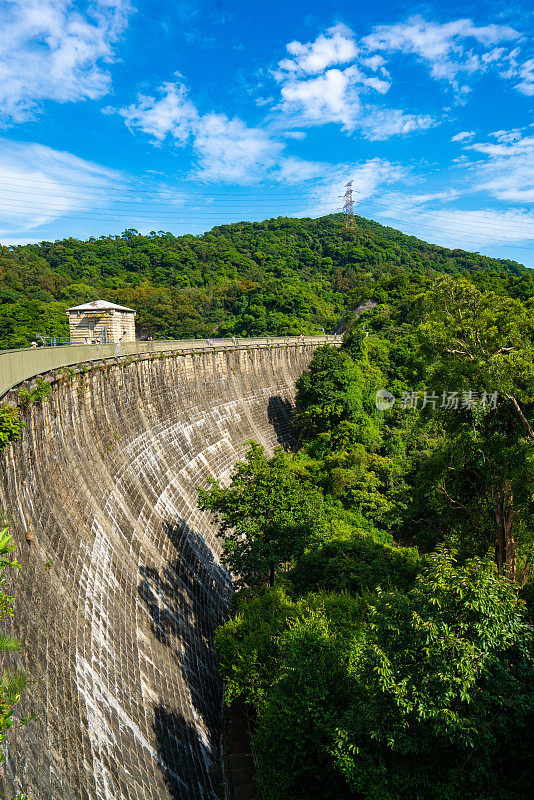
[348, 207]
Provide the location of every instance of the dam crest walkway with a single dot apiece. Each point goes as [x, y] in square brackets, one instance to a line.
[20, 365]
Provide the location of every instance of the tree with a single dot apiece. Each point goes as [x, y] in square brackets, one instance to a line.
[288, 658]
[327, 392]
[483, 345]
[339, 422]
[442, 682]
[268, 514]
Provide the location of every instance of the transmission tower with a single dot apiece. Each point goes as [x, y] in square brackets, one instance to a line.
[348, 207]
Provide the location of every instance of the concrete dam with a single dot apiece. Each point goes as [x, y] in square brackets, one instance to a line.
[121, 585]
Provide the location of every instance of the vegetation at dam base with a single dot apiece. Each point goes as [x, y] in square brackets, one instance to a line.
[12, 681]
[280, 276]
[382, 632]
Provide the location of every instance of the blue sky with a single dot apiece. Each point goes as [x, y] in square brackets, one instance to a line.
[183, 115]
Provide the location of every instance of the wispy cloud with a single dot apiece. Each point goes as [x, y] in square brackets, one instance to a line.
[293, 170]
[508, 172]
[336, 78]
[225, 150]
[317, 87]
[368, 177]
[526, 78]
[36, 185]
[463, 136]
[380, 124]
[331, 97]
[456, 227]
[448, 49]
[434, 217]
[51, 51]
[337, 93]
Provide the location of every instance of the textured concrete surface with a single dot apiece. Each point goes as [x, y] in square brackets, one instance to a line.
[121, 588]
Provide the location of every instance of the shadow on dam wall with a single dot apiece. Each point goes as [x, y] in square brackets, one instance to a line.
[121, 587]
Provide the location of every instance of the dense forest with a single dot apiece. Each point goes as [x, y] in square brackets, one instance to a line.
[382, 634]
[280, 276]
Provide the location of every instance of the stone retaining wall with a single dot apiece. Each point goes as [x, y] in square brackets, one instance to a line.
[121, 586]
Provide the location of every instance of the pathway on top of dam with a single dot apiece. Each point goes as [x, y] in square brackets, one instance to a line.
[20, 365]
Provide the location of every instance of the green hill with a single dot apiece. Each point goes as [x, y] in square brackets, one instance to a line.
[280, 276]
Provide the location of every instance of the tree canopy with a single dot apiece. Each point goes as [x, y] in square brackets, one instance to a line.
[392, 658]
[280, 276]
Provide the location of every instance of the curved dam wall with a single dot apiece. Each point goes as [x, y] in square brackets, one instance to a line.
[121, 586]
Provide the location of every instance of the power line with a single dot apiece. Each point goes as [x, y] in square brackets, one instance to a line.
[131, 217]
[456, 228]
[467, 227]
[228, 198]
[109, 189]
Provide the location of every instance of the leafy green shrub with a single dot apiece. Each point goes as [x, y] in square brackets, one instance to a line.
[11, 425]
[296, 727]
[328, 392]
[247, 645]
[12, 681]
[39, 393]
[355, 565]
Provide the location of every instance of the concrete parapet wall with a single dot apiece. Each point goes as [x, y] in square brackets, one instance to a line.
[20, 365]
[121, 586]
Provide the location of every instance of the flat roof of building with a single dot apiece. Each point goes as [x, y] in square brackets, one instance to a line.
[100, 305]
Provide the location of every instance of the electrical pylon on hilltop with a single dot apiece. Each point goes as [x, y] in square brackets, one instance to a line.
[348, 207]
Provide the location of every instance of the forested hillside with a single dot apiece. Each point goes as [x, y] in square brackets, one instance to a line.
[382, 631]
[278, 276]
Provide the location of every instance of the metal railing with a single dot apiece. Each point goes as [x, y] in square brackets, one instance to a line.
[17, 366]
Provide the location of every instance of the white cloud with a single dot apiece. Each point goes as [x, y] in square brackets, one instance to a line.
[226, 150]
[463, 136]
[443, 46]
[464, 228]
[508, 172]
[378, 84]
[36, 185]
[374, 62]
[293, 170]
[340, 95]
[512, 135]
[430, 217]
[51, 51]
[229, 151]
[327, 98]
[333, 94]
[381, 124]
[336, 46]
[173, 114]
[526, 75]
[333, 97]
[298, 135]
[483, 228]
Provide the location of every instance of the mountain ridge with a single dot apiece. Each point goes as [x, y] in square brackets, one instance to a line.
[279, 276]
